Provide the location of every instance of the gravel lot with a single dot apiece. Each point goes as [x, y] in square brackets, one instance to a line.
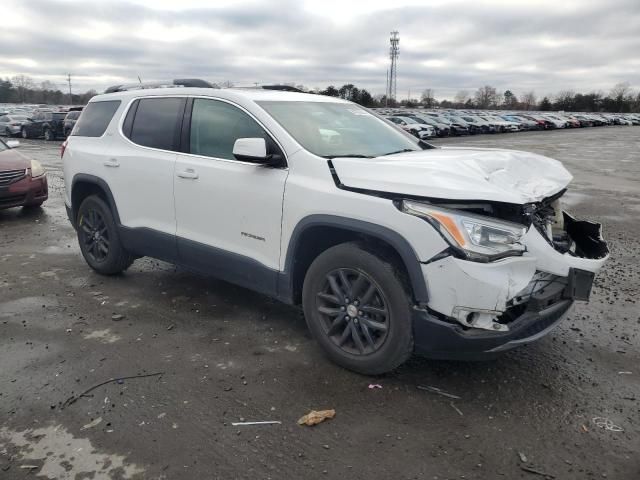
[227, 354]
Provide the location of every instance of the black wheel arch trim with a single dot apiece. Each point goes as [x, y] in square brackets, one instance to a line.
[86, 178]
[394, 239]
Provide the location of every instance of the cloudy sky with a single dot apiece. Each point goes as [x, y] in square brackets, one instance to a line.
[446, 45]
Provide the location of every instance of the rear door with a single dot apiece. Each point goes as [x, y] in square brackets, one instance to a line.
[228, 212]
[139, 169]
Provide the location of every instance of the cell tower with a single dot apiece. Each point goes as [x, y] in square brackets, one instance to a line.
[394, 51]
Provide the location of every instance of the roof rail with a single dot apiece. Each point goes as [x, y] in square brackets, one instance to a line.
[178, 82]
[284, 88]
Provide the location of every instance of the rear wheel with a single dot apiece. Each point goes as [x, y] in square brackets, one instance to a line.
[48, 135]
[99, 239]
[358, 309]
[7, 132]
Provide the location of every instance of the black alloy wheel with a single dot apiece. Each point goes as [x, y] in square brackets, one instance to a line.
[95, 235]
[354, 311]
[24, 133]
[358, 308]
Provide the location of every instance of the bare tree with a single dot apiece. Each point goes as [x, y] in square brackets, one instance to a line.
[620, 91]
[461, 97]
[528, 100]
[428, 99]
[22, 84]
[485, 96]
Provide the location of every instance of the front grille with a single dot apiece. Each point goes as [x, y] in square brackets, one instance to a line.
[10, 176]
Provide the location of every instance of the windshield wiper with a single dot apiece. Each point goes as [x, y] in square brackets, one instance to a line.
[354, 155]
[399, 151]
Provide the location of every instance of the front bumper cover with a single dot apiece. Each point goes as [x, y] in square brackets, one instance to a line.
[479, 309]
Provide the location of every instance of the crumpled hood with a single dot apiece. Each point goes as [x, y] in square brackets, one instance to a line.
[456, 173]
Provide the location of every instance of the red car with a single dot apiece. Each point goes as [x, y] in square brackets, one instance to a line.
[23, 182]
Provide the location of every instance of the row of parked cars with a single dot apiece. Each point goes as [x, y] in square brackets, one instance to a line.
[442, 123]
[38, 121]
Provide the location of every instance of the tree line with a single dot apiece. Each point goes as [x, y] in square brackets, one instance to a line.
[23, 89]
[621, 98]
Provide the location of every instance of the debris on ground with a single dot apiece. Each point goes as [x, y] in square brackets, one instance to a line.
[316, 416]
[429, 388]
[374, 385]
[29, 467]
[536, 472]
[116, 317]
[74, 398]
[456, 409]
[523, 457]
[263, 422]
[96, 422]
[606, 424]
[171, 327]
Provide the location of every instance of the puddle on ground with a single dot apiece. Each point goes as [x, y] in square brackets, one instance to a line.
[57, 454]
[105, 336]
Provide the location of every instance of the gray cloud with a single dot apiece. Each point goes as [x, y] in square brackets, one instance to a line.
[448, 46]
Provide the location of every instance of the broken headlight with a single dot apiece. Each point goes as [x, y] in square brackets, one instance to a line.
[477, 237]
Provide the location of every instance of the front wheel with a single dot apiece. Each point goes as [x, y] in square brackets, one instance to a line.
[99, 239]
[24, 133]
[48, 135]
[358, 310]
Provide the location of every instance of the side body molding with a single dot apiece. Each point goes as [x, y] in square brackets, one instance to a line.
[394, 239]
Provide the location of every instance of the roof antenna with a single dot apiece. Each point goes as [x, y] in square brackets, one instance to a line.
[139, 80]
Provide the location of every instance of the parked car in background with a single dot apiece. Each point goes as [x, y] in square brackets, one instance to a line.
[23, 182]
[412, 126]
[441, 129]
[10, 125]
[70, 122]
[48, 125]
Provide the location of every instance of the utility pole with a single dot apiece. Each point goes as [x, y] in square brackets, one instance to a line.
[386, 89]
[394, 51]
[69, 82]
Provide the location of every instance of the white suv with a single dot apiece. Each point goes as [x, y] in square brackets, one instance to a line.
[390, 245]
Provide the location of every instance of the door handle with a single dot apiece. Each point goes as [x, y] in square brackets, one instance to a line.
[188, 173]
[112, 162]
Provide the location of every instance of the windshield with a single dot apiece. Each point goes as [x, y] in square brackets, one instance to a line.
[338, 129]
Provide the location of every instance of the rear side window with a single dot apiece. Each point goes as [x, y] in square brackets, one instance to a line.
[156, 123]
[95, 118]
[215, 126]
[72, 115]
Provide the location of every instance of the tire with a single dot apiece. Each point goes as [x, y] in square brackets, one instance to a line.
[99, 238]
[48, 135]
[370, 343]
[24, 133]
[7, 133]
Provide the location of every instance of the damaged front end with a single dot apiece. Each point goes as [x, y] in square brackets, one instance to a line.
[518, 297]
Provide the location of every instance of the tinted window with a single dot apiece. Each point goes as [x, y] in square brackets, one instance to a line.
[215, 126]
[95, 118]
[58, 116]
[156, 122]
[73, 115]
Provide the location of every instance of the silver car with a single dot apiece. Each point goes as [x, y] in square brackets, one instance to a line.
[10, 125]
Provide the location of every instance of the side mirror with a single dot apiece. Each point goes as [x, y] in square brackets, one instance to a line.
[250, 150]
[13, 143]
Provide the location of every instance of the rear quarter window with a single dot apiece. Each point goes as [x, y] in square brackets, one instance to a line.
[95, 118]
[155, 122]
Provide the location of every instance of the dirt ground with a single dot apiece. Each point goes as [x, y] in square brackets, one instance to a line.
[567, 406]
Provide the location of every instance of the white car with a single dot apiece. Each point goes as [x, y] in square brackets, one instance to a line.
[390, 245]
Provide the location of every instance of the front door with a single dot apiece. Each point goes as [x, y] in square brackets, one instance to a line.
[228, 212]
